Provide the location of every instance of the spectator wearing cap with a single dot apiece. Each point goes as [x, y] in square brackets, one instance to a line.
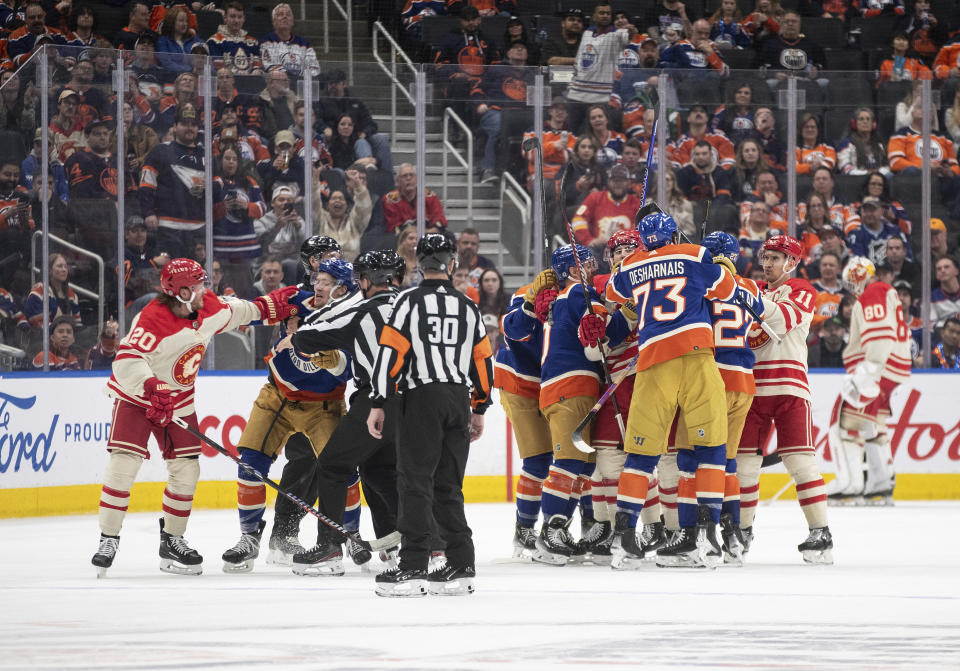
[334, 101]
[286, 168]
[66, 126]
[232, 47]
[869, 239]
[938, 240]
[282, 49]
[138, 25]
[697, 54]
[172, 187]
[277, 103]
[501, 91]
[515, 31]
[558, 142]
[23, 41]
[281, 230]
[828, 351]
[141, 261]
[230, 131]
[184, 93]
[607, 211]
[946, 353]
[562, 49]
[791, 51]
[32, 164]
[680, 152]
[62, 338]
[911, 315]
[93, 103]
[945, 298]
[176, 41]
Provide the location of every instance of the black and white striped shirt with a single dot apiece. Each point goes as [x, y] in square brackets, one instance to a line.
[355, 329]
[435, 334]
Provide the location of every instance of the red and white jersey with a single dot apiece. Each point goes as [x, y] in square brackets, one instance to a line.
[600, 216]
[879, 333]
[171, 348]
[781, 369]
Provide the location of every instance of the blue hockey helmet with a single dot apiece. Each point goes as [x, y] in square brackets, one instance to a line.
[720, 243]
[340, 270]
[562, 258]
[657, 229]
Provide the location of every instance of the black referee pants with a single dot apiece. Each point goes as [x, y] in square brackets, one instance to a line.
[350, 446]
[431, 459]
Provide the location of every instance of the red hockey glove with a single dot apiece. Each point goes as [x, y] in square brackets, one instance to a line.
[541, 304]
[274, 306]
[161, 404]
[592, 329]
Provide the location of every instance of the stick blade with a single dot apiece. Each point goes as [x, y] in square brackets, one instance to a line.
[579, 443]
[391, 540]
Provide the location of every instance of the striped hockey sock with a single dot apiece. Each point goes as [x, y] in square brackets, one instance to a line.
[811, 491]
[585, 481]
[351, 513]
[530, 487]
[710, 476]
[252, 493]
[651, 509]
[748, 474]
[731, 492]
[558, 488]
[687, 488]
[634, 485]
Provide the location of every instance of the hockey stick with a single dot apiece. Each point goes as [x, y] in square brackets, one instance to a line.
[646, 172]
[390, 540]
[757, 318]
[534, 143]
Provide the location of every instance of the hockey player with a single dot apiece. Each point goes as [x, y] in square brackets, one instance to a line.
[671, 285]
[877, 359]
[517, 376]
[783, 399]
[152, 382]
[735, 361]
[301, 395]
[570, 385]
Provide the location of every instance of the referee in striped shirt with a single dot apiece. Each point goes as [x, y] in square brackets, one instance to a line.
[432, 352]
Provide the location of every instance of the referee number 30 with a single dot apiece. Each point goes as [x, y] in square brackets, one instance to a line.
[443, 330]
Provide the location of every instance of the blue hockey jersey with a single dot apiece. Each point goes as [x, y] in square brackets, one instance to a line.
[517, 366]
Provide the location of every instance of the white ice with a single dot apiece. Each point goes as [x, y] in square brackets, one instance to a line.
[892, 601]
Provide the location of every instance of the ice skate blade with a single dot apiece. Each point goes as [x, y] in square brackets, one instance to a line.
[732, 561]
[824, 557]
[845, 500]
[457, 587]
[241, 567]
[279, 558]
[600, 560]
[406, 590]
[101, 572]
[626, 563]
[549, 558]
[680, 561]
[176, 568]
[323, 569]
[711, 561]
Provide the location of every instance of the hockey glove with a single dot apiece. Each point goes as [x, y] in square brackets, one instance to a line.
[726, 263]
[629, 311]
[546, 279]
[327, 359]
[861, 387]
[592, 329]
[274, 307]
[542, 303]
[161, 404]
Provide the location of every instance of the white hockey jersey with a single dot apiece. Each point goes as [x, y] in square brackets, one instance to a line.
[171, 348]
[879, 333]
[781, 369]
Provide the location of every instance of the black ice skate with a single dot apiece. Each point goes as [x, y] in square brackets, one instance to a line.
[323, 559]
[681, 551]
[524, 542]
[626, 552]
[711, 555]
[746, 537]
[176, 556]
[652, 538]
[402, 582]
[239, 558]
[438, 559]
[359, 554]
[390, 558]
[451, 581]
[596, 544]
[284, 540]
[106, 551]
[552, 545]
[818, 548]
[732, 545]
[577, 553]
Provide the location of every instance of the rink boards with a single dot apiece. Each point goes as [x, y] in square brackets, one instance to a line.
[53, 431]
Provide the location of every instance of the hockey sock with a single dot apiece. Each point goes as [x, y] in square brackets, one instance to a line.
[651, 509]
[669, 479]
[558, 487]
[585, 480]
[351, 513]
[748, 473]
[711, 462]
[251, 493]
[686, 488]
[574, 499]
[182, 476]
[604, 484]
[731, 492]
[634, 485]
[530, 487]
[122, 469]
[811, 492]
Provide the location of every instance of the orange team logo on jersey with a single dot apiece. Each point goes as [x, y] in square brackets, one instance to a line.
[515, 89]
[77, 175]
[471, 60]
[188, 365]
[108, 181]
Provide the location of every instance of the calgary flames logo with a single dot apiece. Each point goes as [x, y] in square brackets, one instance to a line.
[188, 365]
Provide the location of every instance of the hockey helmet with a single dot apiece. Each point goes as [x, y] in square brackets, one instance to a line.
[657, 229]
[563, 257]
[435, 251]
[629, 236]
[721, 243]
[340, 270]
[377, 266]
[182, 274]
[857, 273]
[315, 247]
[789, 247]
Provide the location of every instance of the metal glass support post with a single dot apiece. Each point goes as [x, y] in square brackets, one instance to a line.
[791, 103]
[663, 133]
[121, 156]
[206, 83]
[45, 198]
[421, 149]
[539, 214]
[307, 95]
[926, 103]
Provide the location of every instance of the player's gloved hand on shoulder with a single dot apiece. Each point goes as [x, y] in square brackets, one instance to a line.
[327, 359]
[542, 303]
[726, 263]
[274, 307]
[546, 279]
[592, 330]
[629, 311]
[161, 403]
[862, 386]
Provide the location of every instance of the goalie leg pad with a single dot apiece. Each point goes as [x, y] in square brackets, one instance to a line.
[811, 491]
[847, 441]
[118, 479]
[748, 474]
[183, 474]
[881, 475]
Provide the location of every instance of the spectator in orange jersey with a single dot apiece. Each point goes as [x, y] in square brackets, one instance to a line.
[904, 154]
[763, 21]
[841, 215]
[680, 152]
[900, 67]
[558, 141]
[61, 340]
[812, 151]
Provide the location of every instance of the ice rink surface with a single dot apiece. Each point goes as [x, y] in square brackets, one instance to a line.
[891, 601]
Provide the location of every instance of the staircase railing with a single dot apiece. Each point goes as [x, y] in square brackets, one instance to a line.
[97, 296]
[467, 162]
[347, 14]
[391, 71]
[511, 192]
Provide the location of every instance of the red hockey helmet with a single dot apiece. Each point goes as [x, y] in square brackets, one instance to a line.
[627, 236]
[789, 247]
[181, 274]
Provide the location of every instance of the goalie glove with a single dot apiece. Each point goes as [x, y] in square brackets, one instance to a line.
[327, 360]
[161, 404]
[862, 386]
[274, 307]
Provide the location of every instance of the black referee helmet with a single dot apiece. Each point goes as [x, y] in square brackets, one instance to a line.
[379, 266]
[435, 251]
[317, 246]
